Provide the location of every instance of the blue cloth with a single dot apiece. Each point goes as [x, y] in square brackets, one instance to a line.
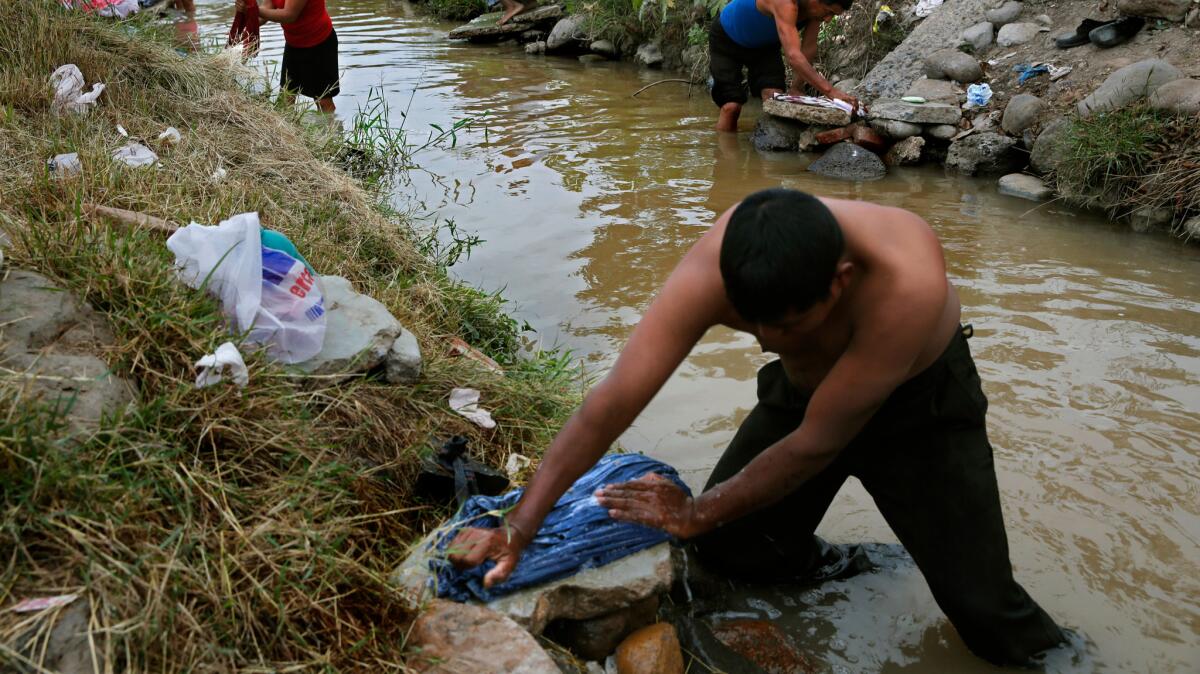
[577, 534]
[747, 26]
[1028, 71]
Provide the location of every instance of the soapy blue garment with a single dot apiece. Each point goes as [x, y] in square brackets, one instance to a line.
[577, 534]
[1027, 71]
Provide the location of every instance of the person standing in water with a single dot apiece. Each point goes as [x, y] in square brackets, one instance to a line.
[513, 8]
[874, 379]
[310, 51]
[750, 34]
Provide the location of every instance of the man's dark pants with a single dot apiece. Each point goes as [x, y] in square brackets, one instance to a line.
[925, 459]
[726, 59]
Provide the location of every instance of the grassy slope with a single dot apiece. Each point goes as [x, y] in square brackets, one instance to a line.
[221, 529]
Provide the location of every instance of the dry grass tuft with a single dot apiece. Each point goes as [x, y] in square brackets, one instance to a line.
[219, 529]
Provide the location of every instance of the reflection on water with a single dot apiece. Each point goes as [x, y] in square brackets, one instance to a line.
[1087, 335]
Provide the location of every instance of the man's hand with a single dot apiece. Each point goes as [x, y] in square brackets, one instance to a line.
[654, 501]
[843, 96]
[503, 545]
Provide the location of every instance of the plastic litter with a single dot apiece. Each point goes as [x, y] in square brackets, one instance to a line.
[68, 84]
[925, 7]
[135, 154]
[225, 361]
[1028, 71]
[64, 165]
[42, 603]
[884, 16]
[515, 464]
[913, 99]
[113, 9]
[264, 292]
[460, 348]
[218, 175]
[577, 534]
[1058, 72]
[170, 136]
[978, 95]
[465, 401]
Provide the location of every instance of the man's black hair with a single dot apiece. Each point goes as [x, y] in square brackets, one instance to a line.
[780, 252]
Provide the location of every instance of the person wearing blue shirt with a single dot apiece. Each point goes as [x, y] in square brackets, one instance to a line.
[750, 34]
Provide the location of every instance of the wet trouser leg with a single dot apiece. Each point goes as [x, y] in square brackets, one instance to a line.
[777, 542]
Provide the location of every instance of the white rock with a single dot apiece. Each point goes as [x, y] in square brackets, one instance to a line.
[359, 331]
[1025, 187]
[404, 359]
[1013, 34]
[649, 55]
[453, 637]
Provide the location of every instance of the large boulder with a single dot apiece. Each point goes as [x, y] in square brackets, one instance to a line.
[453, 637]
[1181, 96]
[979, 36]
[941, 131]
[604, 48]
[776, 134]
[983, 154]
[1047, 152]
[359, 331]
[907, 151]
[1014, 34]
[1173, 10]
[938, 91]
[896, 129]
[651, 650]
[650, 55]
[1021, 113]
[916, 113]
[567, 30]
[952, 64]
[903, 65]
[596, 638]
[847, 161]
[1129, 84]
[1025, 187]
[807, 114]
[484, 27]
[1004, 14]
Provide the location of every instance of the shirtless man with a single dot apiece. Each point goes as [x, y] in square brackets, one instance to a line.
[750, 34]
[874, 379]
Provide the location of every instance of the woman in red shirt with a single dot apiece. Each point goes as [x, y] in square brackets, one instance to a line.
[310, 59]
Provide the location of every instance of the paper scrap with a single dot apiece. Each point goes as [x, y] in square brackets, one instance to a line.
[226, 360]
[465, 401]
[43, 603]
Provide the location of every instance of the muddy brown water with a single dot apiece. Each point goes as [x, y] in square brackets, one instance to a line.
[1087, 335]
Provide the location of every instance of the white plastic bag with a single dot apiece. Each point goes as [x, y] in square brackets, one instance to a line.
[465, 401]
[135, 154]
[226, 360]
[262, 290]
[68, 91]
[64, 165]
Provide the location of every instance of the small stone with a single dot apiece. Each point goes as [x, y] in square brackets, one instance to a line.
[907, 151]
[1006, 13]
[651, 650]
[536, 48]
[453, 637]
[1129, 84]
[1025, 187]
[896, 129]
[1191, 227]
[952, 64]
[847, 161]
[1147, 218]
[1171, 10]
[941, 131]
[776, 134]
[979, 36]
[359, 331]
[917, 113]
[404, 359]
[1181, 96]
[1014, 34]
[1021, 113]
[938, 91]
[649, 55]
[763, 644]
[595, 668]
[591, 58]
[533, 35]
[1045, 20]
[566, 31]
[982, 154]
[604, 47]
[807, 114]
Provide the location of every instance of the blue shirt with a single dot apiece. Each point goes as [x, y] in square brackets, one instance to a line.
[747, 26]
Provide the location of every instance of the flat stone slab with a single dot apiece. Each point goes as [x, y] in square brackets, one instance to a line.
[916, 113]
[484, 25]
[807, 114]
[587, 594]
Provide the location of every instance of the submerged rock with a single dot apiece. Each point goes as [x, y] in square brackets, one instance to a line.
[1025, 187]
[649, 55]
[776, 134]
[484, 27]
[453, 637]
[1147, 218]
[764, 644]
[651, 650]
[982, 154]
[907, 151]
[535, 48]
[847, 161]
[595, 638]
[1129, 84]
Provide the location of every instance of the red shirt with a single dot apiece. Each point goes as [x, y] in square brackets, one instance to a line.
[310, 28]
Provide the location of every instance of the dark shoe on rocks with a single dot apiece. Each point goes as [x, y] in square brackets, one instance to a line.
[1116, 32]
[1080, 36]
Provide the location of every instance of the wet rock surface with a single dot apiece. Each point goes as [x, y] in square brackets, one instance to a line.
[649, 55]
[595, 638]
[451, 637]
[984, 153]
[650, 650]
[907, 151]
[765, 645]
[776, 134]
[1025, 187]
[484, 27]
[847, 161]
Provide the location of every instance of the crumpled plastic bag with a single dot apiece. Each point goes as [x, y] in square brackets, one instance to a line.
[925, 7]
[264, 292]
[135, 154]
[226, 360]
[978, 95]
[465, 401]
[169, 137]
[64, 165]
[68, 91]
